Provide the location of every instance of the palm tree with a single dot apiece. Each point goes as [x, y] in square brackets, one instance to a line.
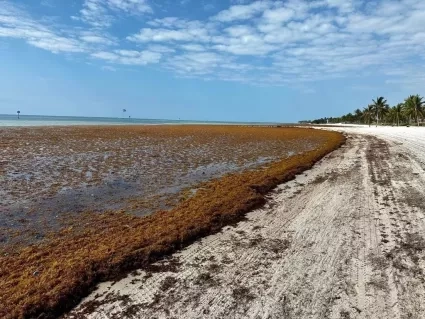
[358, 115]
[392, 116]
[379, 107]
[368, 114]
[385, 111]
[19, 112]
[398, 111]
[413, 107]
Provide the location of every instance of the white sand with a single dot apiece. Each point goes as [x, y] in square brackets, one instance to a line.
[345, 240]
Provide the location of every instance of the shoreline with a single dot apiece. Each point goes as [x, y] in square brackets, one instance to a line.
[218, 203]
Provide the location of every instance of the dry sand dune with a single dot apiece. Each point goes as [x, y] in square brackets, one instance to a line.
[345, 240]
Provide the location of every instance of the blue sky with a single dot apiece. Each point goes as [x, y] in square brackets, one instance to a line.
[208, 59]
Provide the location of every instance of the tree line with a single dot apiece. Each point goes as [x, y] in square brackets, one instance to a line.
[412, 110]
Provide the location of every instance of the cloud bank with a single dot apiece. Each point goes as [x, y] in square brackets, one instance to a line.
[257, 42]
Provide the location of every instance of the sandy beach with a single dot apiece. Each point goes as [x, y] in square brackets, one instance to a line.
[343, 240]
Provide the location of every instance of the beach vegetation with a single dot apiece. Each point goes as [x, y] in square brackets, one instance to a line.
[367, 114]
[398, 113]
[380, 108]
[412, 110]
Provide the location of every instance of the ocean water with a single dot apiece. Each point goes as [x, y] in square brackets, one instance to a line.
[41, 120]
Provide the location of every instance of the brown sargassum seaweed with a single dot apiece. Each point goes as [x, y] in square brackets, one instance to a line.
[46, 280]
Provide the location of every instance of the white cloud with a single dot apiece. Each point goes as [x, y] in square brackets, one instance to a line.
[240, 31]
[196, 63]
[129, 57]
[186, 32]
[109, 56]
[344, 6]
[97, 38]
[168, 22]
[95, 13]
[133, 6]
[161, 48]
[193, 47]
[99, 13]
[247, 44]
[165, 35]
[56, 44]
[289, 41]
[242, 11]
[261, 42]
[15, 23]
[278, 16]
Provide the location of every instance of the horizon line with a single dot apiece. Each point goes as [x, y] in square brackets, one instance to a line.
[135, 118]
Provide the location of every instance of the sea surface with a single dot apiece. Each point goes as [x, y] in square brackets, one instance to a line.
[41, 120]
